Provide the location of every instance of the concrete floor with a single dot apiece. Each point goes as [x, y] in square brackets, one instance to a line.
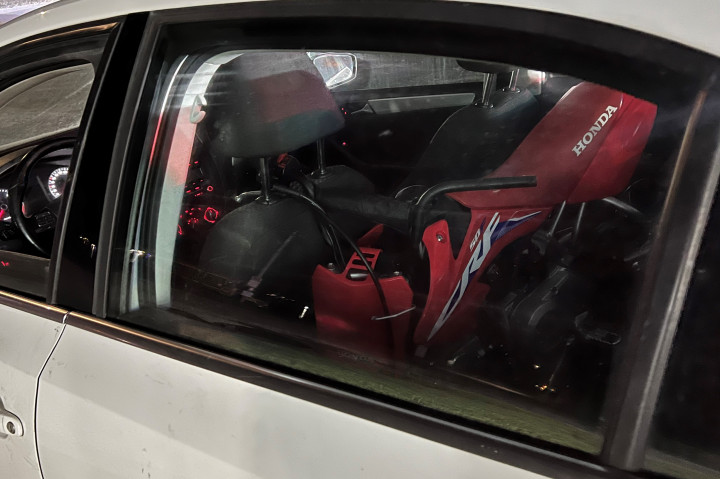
[10, 9]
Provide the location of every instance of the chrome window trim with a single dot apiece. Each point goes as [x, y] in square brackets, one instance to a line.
[32, 306]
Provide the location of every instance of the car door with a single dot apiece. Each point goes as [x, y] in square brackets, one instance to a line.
[175, 368]
[45, 88]
[24, 323]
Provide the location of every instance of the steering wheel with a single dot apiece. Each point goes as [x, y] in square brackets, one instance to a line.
[33, 227]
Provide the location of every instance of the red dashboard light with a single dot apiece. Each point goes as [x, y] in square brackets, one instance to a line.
[211, 214]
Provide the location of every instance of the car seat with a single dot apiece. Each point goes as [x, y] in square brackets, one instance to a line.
[259, 106]
[478, 138]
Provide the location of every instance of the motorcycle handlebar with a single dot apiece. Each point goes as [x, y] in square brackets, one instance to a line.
[379, 209]
[500, 183]
[408, 217]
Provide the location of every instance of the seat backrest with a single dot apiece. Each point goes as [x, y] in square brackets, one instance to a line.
[553, 90]
[475, 140]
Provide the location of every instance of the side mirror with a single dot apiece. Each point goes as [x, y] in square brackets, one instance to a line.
[335, 68]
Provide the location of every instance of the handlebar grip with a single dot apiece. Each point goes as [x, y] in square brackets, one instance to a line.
[380, 209]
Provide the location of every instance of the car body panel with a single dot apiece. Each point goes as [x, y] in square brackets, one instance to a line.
[109, 409]
[25, 344]
[667, 19]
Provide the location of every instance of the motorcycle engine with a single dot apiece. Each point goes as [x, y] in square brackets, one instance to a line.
[542, 306]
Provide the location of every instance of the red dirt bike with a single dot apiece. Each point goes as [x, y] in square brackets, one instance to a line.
[586, 148]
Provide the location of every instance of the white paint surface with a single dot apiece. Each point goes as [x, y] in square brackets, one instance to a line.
[25, 344]
[109, 410]
[690, 22]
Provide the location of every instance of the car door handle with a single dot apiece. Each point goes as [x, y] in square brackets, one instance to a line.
[10, 424]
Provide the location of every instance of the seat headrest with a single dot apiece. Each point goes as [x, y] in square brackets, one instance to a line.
[265, 104]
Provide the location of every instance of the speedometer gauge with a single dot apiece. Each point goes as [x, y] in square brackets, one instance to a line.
[56, 181]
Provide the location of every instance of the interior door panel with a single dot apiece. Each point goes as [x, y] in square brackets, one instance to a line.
[384, 106]
[385, 146]
[396, 125]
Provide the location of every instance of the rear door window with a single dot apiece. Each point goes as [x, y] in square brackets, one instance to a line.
[477, 260]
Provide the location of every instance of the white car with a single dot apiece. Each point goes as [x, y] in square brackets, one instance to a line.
[382, 239]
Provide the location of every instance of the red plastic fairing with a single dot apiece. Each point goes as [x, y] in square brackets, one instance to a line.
[585, 148]
[618, 156]
[344, 309]
[372, 236]
[454, 287]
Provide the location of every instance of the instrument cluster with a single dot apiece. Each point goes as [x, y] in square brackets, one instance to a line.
[41, 200]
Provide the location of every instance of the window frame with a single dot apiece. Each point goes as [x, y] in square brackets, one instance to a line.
[524, 36]
[77, 241]
[690, 342]
[81, 44]
[637, 382]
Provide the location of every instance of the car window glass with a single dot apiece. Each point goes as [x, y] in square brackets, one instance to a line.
[39, 118]
[378, 70]
[44, 105]
[473, 248]
[685, 436]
